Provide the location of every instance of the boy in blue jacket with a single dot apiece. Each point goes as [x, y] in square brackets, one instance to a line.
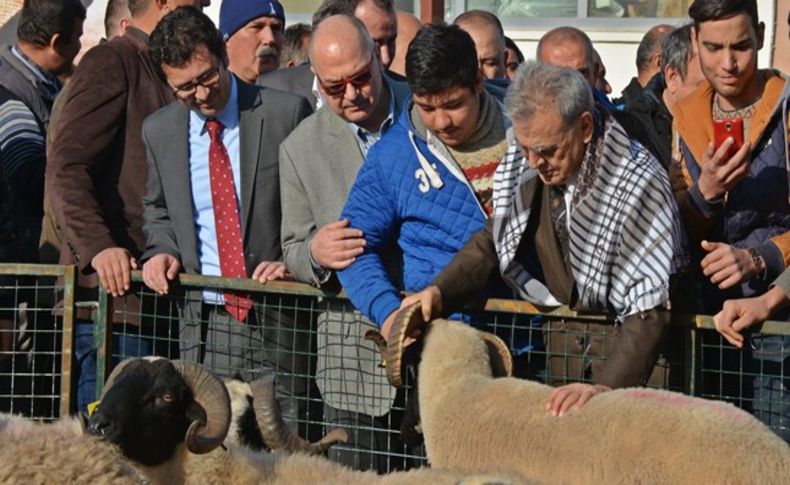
[427, 185]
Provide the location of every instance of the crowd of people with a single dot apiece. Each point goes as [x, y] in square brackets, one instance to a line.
[371, 153]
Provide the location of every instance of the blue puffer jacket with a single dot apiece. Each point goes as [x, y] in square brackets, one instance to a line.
[409, 190]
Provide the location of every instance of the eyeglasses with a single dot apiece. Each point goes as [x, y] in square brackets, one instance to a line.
[358, 80]
[208, 79]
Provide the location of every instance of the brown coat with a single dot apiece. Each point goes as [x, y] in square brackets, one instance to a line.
[633, 348]
[96, 175]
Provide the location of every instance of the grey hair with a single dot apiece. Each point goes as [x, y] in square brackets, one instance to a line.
[540, 86]
[362, 35]
[292, 47]
[676, 50]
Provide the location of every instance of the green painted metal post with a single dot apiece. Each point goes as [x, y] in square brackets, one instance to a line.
[67, 354]
[102, 339]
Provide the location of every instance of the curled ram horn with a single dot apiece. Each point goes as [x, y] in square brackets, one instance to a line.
[408, 323]
[501, 359]
[211, 394]
[275, 432]
[378, 339]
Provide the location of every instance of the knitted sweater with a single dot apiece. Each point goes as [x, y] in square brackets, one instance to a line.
[480, 156]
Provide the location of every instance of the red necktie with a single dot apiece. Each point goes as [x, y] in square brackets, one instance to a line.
[226, 219]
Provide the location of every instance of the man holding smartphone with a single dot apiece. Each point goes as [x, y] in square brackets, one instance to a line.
[734, 199]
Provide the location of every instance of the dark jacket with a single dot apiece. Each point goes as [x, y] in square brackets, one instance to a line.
[17, 78]
[630, 93]
[24, 157]
[297, 80]
[650, 111]
[96, 176]
[755, 213]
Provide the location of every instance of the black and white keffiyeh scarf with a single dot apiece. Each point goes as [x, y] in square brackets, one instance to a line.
[625, 233]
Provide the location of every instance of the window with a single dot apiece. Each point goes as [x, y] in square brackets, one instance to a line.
[525, 9]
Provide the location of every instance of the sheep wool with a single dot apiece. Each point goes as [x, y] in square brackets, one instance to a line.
[44, 454]
[472, 421]
[242, 466]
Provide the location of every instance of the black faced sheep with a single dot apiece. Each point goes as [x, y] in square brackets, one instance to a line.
[472, 420]
[168, 420]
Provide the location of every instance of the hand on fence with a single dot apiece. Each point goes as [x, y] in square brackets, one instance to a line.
[727, 265]
[718, 175]
[160, 269]
[572, 396]
[431, 300]
[271, 270]
[335, 246]
[737, 315]
[114, 267]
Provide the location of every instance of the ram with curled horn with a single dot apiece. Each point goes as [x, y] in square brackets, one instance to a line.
[153, 400]
[475, 417]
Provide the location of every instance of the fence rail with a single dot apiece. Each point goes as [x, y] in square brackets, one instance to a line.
[329, 377]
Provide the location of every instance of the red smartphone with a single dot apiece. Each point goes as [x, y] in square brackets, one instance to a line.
[726, 128]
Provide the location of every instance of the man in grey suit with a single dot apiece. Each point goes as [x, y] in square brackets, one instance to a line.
[213, 204]
[319, 163]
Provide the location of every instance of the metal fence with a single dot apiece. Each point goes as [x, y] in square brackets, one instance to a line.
[36, 315]
[326, 375]
[329, 377]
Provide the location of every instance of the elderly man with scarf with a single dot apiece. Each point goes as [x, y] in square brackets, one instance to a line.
[588, 220]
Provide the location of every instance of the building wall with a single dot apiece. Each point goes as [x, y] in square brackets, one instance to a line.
[616, 42]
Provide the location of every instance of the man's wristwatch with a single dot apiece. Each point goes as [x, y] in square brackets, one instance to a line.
[759, 263]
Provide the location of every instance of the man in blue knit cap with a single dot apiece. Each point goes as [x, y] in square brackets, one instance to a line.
[254, 37]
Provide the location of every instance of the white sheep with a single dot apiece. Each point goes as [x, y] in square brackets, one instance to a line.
[33, 453]
[474, 421]
[45, 456]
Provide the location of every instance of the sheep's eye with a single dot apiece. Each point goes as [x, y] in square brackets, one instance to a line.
[164, 400]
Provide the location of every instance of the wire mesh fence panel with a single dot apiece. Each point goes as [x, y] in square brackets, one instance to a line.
[755, 378]
[563, 347]
[35, 340]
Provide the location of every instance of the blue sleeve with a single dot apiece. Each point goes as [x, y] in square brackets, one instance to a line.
[370, 208]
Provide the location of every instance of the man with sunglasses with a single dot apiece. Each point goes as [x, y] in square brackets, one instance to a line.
[319, 161]
[213, 205]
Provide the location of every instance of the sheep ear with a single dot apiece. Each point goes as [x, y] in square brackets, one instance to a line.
[498, 354]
